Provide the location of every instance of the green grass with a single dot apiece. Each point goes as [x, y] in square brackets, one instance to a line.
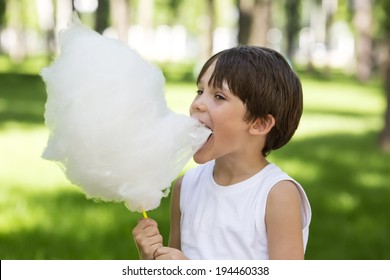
[334, 155]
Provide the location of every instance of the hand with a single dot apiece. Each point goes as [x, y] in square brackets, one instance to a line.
[167, 253]
[147, 238]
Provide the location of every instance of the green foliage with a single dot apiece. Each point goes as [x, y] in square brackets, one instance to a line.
[21, 13]
[382, 9]
[2, 11]
[171, 12]
[178, 72]
[334, 155]
[168, 11]
[30, 65]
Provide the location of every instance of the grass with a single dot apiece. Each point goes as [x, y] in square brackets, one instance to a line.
[334, 155]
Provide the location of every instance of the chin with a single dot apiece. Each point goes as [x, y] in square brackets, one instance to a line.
[199, 159]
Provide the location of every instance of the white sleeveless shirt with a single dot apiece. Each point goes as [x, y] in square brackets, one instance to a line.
[228, 222]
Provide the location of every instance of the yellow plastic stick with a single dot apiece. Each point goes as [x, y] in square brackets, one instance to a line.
[144, 214]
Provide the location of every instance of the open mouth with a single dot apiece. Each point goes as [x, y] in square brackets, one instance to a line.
[212, 132]
[206, 126]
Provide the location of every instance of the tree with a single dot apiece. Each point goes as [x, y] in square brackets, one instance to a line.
[15, 21]
[363, 24]
[2, 11]
[2, 16]
[46, 22]
[385, 135]
[119, 10]
[102, 15]
[208, 30]
[293, 15]
[254, 21]
[329, 8]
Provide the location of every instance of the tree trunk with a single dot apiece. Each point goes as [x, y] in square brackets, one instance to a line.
[293, 24]
[102, 14]
[2, 12]
[211, 26]
[329, 8]
[17, 44]
[207, 33]
[120, 18]
[254, 21]
[145, 20]
[261, 23]
[63, 10]
[244, 20]
[363, 24]
[385, 135]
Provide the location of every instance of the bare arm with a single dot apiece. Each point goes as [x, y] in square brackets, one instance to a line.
[284, 222]
[174, 237]
[173, 251]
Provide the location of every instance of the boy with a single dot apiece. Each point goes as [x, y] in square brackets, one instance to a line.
[235, 204]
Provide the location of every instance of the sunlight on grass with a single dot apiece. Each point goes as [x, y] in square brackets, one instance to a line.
[313, 124]
[31, 65]
[334, 155]
[297, 167]
[21, 148]
[342, 98]
[372, 180]
[342, 202]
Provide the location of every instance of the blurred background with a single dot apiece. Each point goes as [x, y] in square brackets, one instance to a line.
[340, 153]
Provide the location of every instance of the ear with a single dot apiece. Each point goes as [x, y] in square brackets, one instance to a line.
[261, 126]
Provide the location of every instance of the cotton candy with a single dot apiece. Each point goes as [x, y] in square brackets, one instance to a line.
[110, 128]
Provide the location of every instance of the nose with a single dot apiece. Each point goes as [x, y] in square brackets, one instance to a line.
[199, 104]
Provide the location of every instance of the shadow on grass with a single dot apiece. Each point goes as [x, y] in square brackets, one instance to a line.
[65, 225]
[345, 176]
[22, 98]
[347, 180]
[339, 112]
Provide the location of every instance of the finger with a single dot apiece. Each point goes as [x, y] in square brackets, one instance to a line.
[160, 252]
[151, 230]
[157, 253]
[147, 241]
[155, 240]
[148, 228]
[148, 252]
[143, 223]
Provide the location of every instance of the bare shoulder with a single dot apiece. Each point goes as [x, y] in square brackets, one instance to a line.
[178, 182]
[284, 191]
[175, 202]
[284, 200]
[284, 222]
[177, 185]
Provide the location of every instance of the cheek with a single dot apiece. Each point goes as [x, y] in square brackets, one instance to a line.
[231, 130]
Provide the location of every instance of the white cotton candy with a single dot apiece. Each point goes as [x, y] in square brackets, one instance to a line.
[110, 128]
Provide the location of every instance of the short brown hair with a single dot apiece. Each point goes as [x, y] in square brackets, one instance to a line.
[266, 84]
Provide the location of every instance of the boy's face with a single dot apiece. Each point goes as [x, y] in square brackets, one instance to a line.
[223, 112]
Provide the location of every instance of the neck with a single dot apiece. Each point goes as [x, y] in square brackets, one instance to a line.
[232, 171]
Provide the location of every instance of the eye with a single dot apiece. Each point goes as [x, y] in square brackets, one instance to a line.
[219, 97]
[199, 92]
